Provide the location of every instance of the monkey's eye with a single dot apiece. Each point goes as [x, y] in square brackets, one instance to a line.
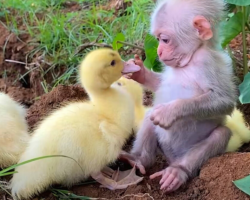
[165, 41]
[112, 63]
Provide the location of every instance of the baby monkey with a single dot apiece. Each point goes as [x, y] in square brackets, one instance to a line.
[193, 95]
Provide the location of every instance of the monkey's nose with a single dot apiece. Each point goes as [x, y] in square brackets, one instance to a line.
[159, 52]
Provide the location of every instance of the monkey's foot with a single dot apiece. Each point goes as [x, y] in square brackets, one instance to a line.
[172, 178]
[113, 180]
[132, 161]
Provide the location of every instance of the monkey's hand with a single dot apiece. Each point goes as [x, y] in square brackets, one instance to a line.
[138, 76]
[164, 115]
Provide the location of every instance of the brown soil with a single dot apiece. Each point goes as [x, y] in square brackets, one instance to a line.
[214, 182]
[53, 100]
[216, 176]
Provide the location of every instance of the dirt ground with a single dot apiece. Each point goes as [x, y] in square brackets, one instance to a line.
[215, 178]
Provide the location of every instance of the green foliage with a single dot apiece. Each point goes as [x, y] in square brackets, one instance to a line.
[236, 24]
[63, 38]
[119, 37]
[245, 90]
[151, 62]
[230, 29]
[243, 184]
[239, 2]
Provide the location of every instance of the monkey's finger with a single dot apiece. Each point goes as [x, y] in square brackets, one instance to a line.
[140, 167]
[153, 115]
[164, 177]
[128, 76]
[155, 119]
[137, 57]
[160, 173]
[168, 182]
[175, 183]
[138, 60]
[155, 122]
[177, 186]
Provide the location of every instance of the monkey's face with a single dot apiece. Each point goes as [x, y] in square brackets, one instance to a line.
[179, 32]
[167, 50]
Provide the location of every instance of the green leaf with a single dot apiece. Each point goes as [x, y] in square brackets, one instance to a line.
[151, 61]
[245, 90]
[118, 37]
[231, 28]
[243, 184]
[239, 2]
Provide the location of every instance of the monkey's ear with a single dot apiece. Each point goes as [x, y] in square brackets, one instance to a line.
[203, 27]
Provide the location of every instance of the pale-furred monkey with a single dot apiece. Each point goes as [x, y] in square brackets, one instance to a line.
[193, 94]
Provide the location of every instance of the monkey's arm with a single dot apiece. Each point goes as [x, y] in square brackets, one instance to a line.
[152, 80]
[149, 79]
[212, 103]
[218, 100]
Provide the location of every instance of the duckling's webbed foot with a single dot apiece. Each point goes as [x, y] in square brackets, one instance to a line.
[113, 180]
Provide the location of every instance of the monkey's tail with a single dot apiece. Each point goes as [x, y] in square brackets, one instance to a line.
[240, 132]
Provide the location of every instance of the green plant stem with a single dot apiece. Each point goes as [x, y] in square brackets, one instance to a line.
[247, 25]
[128, 44]
[245, 66]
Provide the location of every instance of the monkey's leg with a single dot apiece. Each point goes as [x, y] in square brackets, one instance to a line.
[188, 165]
[145, 145]
[144, 148]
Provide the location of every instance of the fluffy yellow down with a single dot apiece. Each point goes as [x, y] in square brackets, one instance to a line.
[13, 131]
[240, 132]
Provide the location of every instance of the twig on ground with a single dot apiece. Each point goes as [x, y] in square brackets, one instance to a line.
[132, 45]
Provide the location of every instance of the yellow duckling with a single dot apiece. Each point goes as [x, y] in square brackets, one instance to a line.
[241, 134]
[13, 132]
[93, 133]
[136, 92]
[235, 122]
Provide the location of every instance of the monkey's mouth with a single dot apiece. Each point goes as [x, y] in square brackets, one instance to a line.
[168, 60]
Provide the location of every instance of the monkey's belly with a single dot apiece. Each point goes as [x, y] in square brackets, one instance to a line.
[183, 135]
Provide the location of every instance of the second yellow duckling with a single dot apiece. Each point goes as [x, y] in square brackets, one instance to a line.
[136, 92]
[241, 134]
[93, 133]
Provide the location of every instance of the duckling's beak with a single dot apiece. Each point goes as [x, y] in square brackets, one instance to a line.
[130, 67]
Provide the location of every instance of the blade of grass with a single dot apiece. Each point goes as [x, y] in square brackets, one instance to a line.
[35, 159]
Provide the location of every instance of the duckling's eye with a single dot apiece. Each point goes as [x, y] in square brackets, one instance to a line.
[112, 63]
[119, 84]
